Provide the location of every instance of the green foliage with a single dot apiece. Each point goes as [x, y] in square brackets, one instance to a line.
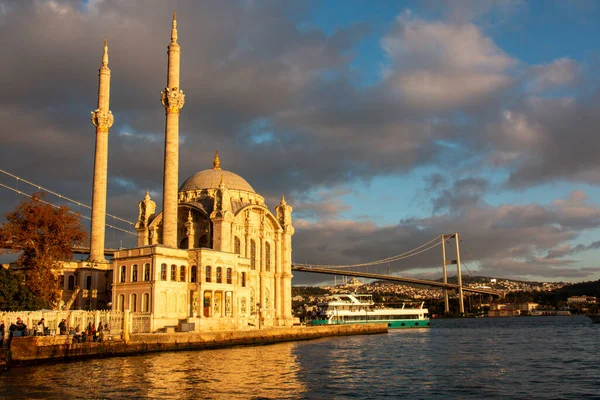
[15, 295]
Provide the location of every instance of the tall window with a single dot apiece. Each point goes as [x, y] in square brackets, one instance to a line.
[252, 254]
[237, 246]
[123, 272]
[229, 276]
[243, 279]
[208, 273]
[182, 273]
[88, 282]
[194, 274]
[267, 256]
[174, 273]
[62, 281]
[133, 302]
[121, 302]
[146, 302]
[71, 283]
[134, 273]
[163, 272]
[219, 277]
[146, 272]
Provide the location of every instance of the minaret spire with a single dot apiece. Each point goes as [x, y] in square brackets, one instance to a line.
[172, 98]
[105, 55]
[102, 119]
[216, 161]
[174, 28]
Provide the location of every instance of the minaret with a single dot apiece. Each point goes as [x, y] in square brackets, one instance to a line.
[284, 287]
[173, 99]
[102, 119]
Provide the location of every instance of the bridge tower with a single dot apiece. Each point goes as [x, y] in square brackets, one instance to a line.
[461, 302]
[102, 119]
[172, 98]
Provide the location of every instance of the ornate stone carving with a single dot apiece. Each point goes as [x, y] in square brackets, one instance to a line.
[102, 120]
[189, 225]
[195, 303]
[252, 301]
[267, 299]
[153, 235]
[243, 306]
[228, 304]
[173, 100]
[147, 208]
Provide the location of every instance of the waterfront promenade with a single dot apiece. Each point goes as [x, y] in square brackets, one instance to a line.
[35, 349]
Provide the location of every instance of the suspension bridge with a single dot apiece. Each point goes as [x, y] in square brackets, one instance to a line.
[354, 270]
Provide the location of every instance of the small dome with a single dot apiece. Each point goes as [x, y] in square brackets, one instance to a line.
[211, 179]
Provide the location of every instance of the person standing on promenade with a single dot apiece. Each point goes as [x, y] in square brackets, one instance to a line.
[2, 329]
[41, 327]
[21, 327]
[63, 327]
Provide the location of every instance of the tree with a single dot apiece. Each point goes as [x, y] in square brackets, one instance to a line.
[42, 235]
[15, 296]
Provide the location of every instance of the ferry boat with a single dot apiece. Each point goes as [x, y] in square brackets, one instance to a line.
[360, 309]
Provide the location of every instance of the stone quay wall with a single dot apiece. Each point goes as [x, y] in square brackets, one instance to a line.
[35, 349]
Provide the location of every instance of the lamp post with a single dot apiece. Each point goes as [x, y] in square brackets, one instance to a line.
[258, 313]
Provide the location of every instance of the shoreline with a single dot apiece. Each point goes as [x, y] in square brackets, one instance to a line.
[32, 350]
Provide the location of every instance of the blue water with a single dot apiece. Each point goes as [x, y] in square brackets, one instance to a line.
[521, 358]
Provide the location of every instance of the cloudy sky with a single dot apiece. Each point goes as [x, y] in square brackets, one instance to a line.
[385, 123]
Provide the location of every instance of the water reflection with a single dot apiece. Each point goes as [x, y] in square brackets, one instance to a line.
[492, 359]
[248, 372]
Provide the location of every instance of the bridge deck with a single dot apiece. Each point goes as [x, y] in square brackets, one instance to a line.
[395, 279]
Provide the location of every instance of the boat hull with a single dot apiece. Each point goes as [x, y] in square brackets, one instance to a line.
[595, 318]
[392, 324]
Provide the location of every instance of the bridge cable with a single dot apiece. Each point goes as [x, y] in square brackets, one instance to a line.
[398, 257]
[70, 211]
[472, 256]
[56, 194]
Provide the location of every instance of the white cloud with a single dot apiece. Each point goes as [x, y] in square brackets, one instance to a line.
[560, 72]
[443, 65]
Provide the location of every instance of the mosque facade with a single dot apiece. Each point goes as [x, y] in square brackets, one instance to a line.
[215, 257]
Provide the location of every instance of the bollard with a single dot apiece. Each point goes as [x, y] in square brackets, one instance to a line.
[126, 325]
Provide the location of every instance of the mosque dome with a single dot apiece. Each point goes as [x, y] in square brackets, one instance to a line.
[211, 179]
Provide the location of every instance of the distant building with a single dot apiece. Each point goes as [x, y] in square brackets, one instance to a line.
[528, 307]
[581, 300]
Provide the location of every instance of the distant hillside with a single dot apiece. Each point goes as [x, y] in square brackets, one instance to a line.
[591, 288]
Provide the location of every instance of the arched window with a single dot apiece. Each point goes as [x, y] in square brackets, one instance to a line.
[182, 273]
[267, 256]
[194, 274]
[208, 273]
[121, 303]
[174, 273]
[71, 283]
[252, 254]
[243, 279]
[163, 272]
[62, 281]
[146, 272]
[123, 273]
[146, 302]
[219, 273]
[88, 282]
[237, 245]
[229, 276]
[133, 303]
[134, 272]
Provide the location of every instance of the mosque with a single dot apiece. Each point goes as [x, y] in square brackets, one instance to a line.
[215, 258]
